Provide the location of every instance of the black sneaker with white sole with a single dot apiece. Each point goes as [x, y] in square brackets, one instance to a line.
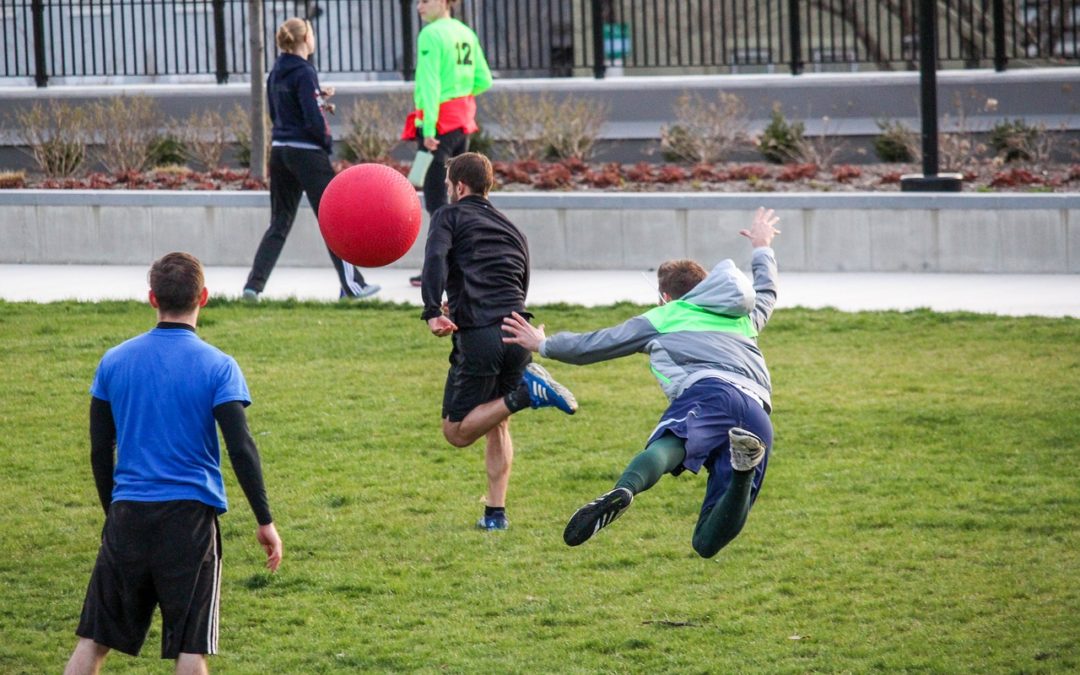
[597, 514]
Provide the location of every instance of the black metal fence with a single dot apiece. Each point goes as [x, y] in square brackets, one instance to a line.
[179, 39]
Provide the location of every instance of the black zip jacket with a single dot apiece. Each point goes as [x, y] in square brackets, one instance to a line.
[480, 259]
[294, 100]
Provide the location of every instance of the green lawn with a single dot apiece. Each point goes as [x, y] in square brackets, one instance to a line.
[921, 511]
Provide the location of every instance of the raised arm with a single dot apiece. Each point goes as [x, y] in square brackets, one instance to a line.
[761, 233]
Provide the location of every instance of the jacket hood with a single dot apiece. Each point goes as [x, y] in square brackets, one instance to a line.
[726, 290]
[290, 63]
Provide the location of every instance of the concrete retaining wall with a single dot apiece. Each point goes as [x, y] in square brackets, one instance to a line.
[820, 232]
[639, 106]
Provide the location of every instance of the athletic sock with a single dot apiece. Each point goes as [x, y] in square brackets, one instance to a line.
[660, 457]
[494, 511]
[518, 399]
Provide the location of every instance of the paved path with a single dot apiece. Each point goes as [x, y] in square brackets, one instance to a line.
[1052, 295]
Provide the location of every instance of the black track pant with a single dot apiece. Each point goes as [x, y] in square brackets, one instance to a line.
[451, 145]
[294, 172]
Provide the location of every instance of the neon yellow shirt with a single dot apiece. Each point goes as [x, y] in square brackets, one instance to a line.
[450, 64]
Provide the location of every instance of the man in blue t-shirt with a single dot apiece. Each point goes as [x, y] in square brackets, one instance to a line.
[155, 400]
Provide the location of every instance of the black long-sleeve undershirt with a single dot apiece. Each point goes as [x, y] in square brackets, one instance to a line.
[243, 454]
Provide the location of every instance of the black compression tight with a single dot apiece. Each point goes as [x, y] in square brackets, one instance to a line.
[717, 526]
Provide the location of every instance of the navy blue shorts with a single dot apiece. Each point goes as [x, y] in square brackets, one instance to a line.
[702, 416]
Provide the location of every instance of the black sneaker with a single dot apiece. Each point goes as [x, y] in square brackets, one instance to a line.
[417, 281]
[597, 514]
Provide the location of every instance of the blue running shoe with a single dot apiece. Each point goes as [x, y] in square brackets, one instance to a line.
[544, 391]
[493, 522]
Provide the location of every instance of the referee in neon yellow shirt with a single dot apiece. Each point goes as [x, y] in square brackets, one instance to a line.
[450, 71]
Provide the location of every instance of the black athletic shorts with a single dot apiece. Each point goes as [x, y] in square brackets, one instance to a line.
[482, 369]
[165, 554]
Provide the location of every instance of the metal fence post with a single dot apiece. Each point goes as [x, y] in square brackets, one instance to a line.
[220, 55]
[1000, 59]
[41, 74]
[795, 33]
[599, 65]
[408, 65]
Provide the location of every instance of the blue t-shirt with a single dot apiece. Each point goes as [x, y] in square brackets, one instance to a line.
[163, 387]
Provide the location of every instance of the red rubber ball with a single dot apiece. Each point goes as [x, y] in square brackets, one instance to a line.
[369, 215]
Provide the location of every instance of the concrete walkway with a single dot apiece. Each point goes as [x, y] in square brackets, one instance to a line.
[1053, 295]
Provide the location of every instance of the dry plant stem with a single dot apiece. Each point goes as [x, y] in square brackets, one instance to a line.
[204, 137]
[821, 149]
[572, 127]
[55, 136]
[126, 128]
[706, 132]
[374, 127]
[239, 122]
[959, 149]
[521, 119]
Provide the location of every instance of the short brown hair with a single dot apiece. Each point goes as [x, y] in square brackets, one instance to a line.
[678, 277]
[472, 169]
[177, 280]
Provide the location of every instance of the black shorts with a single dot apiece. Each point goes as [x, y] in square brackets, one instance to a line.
[156, 553]
[482, 369]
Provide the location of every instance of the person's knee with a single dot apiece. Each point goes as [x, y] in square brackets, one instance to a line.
[705, 548]
[453, 435]
[192, 664]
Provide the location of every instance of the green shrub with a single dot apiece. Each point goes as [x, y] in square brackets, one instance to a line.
[482, 142]
[896, 143]
[780, 142]
[1014, 140]
[167, 150]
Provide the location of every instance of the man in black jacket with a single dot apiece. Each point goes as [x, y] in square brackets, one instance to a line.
[481, 260]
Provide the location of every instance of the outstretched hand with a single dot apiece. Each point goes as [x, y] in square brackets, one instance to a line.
[522, 332]
[271, 543]
[763, 229]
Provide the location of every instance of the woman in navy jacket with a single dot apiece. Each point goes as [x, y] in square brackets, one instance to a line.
[299, 156]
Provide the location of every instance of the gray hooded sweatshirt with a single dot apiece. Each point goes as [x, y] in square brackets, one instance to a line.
[709, 332]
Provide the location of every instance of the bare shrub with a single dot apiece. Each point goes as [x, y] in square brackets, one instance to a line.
[571, 128]
[12, 180]
[705, 132]
[521, 119]
[203, 137]
[239, 122]
[127, 128]
[55, 135]
[821, 149]
[960, 148]
[373, 128]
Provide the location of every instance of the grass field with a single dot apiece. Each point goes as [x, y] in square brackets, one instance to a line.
[921, 511]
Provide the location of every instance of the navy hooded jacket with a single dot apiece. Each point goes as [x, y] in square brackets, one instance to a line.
[295, 103]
